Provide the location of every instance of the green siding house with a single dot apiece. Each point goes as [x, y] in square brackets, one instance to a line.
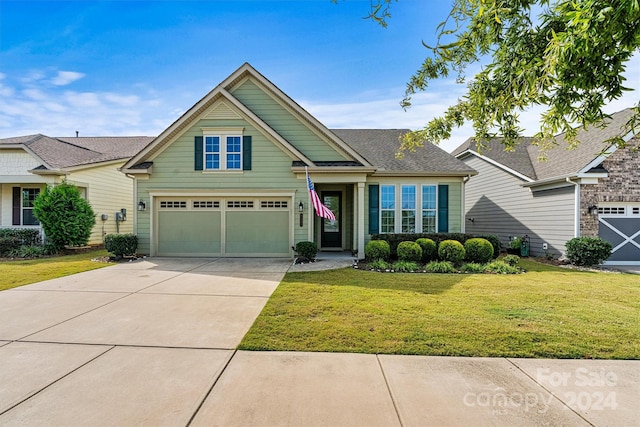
[228, 178]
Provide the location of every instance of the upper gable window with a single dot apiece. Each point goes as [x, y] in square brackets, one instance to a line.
[223, 152]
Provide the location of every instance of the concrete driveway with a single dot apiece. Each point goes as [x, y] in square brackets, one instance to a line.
[153, 343]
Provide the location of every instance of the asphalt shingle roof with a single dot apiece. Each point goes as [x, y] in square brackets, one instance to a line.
[379, 147]
[561, 160]
[65, 152]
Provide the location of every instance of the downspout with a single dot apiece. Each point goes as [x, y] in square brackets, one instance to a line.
[463, 214]
[576, 198]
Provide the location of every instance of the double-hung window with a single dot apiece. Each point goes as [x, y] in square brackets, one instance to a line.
[223, 152]
[387, 208]
[29, 195]
[408, 208]
[429, 208]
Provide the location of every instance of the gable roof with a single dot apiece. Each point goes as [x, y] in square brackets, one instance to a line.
[63, 153]
[562, 160]
[379, 147]
[222, 91]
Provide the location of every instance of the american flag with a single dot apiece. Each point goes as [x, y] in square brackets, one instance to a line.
[321, 210]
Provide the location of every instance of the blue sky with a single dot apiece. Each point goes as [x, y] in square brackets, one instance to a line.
[133, 67]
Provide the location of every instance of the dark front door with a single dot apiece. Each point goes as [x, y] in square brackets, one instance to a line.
[331, 231]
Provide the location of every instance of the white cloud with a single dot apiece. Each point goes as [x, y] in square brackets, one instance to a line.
[66, 77]
[123, 100]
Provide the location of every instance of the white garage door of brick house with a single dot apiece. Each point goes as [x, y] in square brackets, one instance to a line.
[620, 226]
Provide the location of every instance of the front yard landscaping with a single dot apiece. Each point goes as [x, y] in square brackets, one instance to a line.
[549, 312]
[14, 273]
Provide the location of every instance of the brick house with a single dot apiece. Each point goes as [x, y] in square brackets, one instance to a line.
[590, 190]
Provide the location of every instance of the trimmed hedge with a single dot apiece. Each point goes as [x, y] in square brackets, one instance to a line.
[377, 249]
[429, 249]
[587, 251]
[308, 250]
[121, 244]
[478, 250]
[452, 251]
[409, 251]
[11, 239]
[395, 239]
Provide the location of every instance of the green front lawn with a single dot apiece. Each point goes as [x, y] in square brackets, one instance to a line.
[24, 272]
[547, 312]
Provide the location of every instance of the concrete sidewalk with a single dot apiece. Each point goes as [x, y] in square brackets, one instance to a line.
[153, 342]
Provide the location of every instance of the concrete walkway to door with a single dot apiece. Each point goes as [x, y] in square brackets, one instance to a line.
[153, 342]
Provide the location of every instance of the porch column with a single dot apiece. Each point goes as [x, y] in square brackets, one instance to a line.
[361, 220]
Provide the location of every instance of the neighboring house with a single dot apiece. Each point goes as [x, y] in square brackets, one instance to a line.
[591, 190]
[228, 179]
[29, 163]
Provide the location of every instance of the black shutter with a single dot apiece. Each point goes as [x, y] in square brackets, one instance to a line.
[443, 208]
[246, 153]
[198, 153]
[374, 209]
[17, 205]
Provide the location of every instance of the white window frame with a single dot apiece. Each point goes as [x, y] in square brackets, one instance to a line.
[404, 209]
[222, 134]
[424, 210]
[24, 208]
[383, 209]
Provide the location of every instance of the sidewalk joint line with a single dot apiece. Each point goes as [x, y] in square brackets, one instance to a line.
[393, 399]
[208, 393]
[508, 359]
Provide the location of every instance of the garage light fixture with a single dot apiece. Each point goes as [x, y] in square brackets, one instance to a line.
[300, 207]
[142, 206]
[593, 210]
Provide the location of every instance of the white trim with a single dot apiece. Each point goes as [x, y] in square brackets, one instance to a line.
[498, 164]
[621, 263]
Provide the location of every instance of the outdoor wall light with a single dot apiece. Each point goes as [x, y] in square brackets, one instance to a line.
[593, 210]
[142, 206]
[300, 207]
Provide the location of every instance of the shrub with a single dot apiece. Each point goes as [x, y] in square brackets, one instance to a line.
[472, 267]
[499, 267]
[121, 244]
[67, 218]
[495, 242]
[377, 249]
[405, 266]
[515, 243]
[440, 267]
[511, 260]
[409, 251]
[478, 250]
[452, 251]
[11, 239]
[31, 251]
[395, 239]
[379, 265]
[308, 250]
[429, 249]
[588, 251]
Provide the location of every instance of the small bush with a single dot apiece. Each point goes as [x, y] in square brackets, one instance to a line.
[587, 251]
[499, 267]
[452, 251]
[478, 250]
[409, 251]
[379, 265]
[30, 251]
[440, 267]
[121, 244]
[429, 249]
[472, 267]
[405, 266]
[516, 243]
[511, 260]
[11, 239]
[377, 249]
[308, 250]
[495, 242]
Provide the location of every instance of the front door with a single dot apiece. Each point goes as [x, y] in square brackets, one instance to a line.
[331, 231]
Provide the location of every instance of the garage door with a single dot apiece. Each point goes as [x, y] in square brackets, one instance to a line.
[228, 227]
[620, 226]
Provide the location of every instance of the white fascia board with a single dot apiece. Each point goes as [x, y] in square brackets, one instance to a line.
[497, 164]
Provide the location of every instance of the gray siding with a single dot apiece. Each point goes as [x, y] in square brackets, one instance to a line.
[499, 205]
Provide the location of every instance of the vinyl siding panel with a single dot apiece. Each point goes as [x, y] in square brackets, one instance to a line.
[286, 124]
[108, 191]
[173, 169]
[16, 162]
[499, 205]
